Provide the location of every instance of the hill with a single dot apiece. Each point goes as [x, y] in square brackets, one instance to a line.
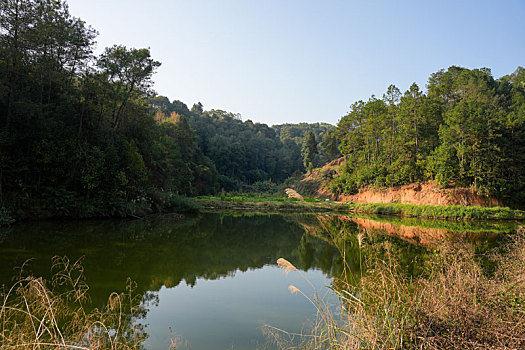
[465, 134]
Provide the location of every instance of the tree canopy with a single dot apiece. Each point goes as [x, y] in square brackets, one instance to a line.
[77, 132]
[82, 135]
[243, 152]
[467, 130]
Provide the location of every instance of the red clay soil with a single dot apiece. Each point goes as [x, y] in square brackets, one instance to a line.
[318, 183]
[423, 194]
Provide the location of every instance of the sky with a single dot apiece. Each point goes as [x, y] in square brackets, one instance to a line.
[291, 61]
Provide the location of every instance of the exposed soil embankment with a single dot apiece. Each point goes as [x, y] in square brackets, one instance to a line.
[423, 194]
[317, 183]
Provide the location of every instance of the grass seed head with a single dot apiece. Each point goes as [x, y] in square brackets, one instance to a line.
[285, 265]
[293, 289]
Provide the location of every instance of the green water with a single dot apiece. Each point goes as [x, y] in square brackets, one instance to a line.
[213, 278]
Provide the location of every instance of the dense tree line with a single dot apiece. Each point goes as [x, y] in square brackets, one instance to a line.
[467, 130]
[244, 152]
[82, 135]
[77, 135]
[248, 154]
[324, 135]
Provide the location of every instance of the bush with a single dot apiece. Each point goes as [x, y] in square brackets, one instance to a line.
[179, 204]
[455, 303]
[5, 217]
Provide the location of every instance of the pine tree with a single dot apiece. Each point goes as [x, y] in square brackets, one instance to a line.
[309, 149]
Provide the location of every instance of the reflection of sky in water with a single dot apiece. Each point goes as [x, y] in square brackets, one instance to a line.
[229, 312]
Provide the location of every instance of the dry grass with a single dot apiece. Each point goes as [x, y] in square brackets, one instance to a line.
[291, 193]
[464, 307]
[456, 304]
[39, 314]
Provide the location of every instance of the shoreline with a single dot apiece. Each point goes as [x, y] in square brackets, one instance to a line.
[278, 206]
[449, 213]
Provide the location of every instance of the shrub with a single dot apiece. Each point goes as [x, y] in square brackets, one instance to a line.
[454, 304]
[180, 204]
[5, 217]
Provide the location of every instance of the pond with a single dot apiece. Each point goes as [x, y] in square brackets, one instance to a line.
[211, 281]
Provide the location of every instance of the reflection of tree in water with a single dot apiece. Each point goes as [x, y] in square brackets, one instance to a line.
[165, 252]
[306, 252]
[403, 240]
[350, 262]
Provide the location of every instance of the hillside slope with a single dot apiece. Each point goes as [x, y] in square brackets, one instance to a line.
[317, 183]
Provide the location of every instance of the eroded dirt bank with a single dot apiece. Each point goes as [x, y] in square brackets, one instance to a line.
[423, 194]
[318, 184]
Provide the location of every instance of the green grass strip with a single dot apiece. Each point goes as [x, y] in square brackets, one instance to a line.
[441, 212]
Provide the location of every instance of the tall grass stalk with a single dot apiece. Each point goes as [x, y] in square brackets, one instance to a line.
[455, 304]
[40, 314]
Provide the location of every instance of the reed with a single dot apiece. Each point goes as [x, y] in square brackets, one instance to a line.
[455, 304]
[41, 314]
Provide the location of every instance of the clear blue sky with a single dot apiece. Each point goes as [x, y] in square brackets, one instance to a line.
[277, 61]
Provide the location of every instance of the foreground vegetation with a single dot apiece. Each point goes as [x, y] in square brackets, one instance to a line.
[56, 314]
[458, 301]
[441, 212]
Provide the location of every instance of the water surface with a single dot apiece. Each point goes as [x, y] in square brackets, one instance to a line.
[212, 278]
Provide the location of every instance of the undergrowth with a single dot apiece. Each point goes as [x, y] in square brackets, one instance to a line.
[180, 204]
[242, 198]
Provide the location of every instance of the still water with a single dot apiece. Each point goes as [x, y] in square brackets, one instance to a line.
[210, 281]
[212, 278]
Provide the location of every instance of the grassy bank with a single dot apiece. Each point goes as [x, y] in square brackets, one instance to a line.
[470, 226]
[441, 212]
[276, 204]
[255, 199]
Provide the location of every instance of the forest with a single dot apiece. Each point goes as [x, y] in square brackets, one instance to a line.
[85, 135]
[467, 130]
